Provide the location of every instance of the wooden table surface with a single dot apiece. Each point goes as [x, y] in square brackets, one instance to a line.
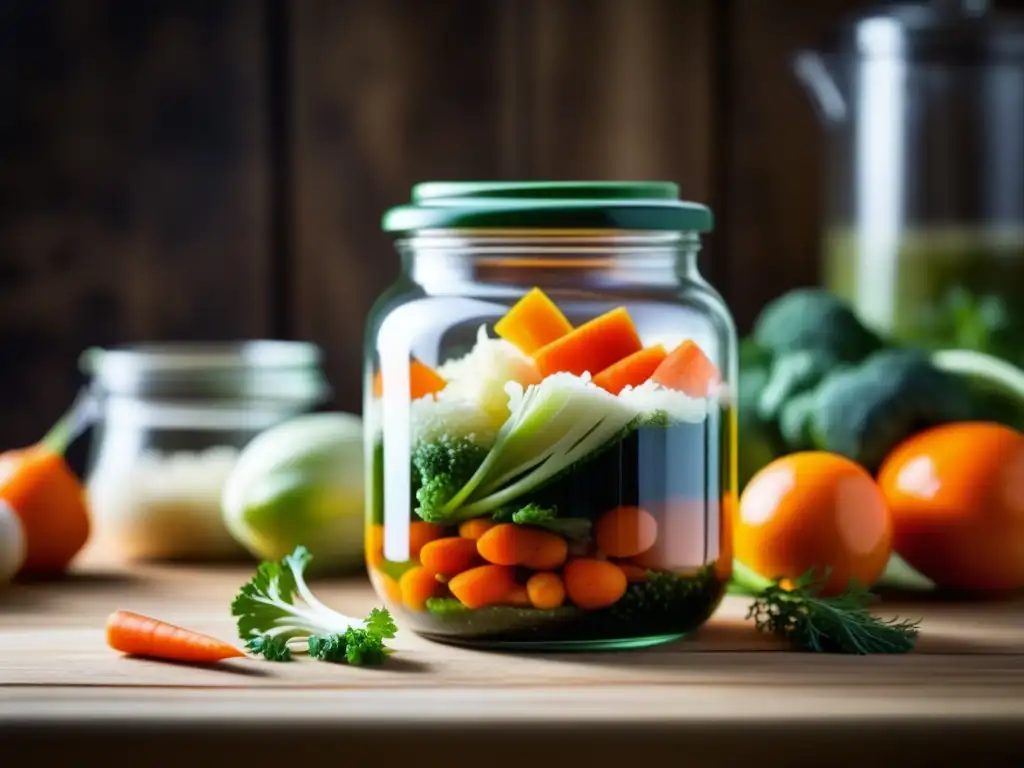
[720, 696]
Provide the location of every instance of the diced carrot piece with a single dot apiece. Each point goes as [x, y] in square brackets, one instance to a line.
[423, 380]
[417, 585]
[484, 585]
[511, 544]
[533, 322]
[688, 370]
[475, 528]
[593, 584]
[546, 591]
[592, 347]
[625, 531]
[518, 597]
[450, 555]
[631, 371]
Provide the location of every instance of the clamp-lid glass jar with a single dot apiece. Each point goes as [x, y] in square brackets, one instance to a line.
[550, 428]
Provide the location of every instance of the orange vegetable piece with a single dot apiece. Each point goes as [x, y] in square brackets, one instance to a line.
[546, 591]
[533, 322]
[631, 371]
[518, 597]
[533, 548]
[625, 531]
[634, 573]
[139, 635]
[417, 585]
[814, 510]
[956, 494]
[450, 555]
[475, 528]
[688, 370]
[421, 533]
[592, 347]
[484, 585]
[423, 380]
[49, 500]
[374, 545]
[592, 584]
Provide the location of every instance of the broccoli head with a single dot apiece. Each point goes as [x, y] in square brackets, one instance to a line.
[811, 318]
[791, 374]
[442, 467]
[863, 412]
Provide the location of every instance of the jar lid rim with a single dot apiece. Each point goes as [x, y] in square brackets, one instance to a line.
[635, 205]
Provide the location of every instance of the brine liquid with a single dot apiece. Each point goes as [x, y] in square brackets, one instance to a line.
[682, 474]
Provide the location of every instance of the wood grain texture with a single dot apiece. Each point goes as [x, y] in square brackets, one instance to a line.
[133, 202]
[621, 90]
[772, 171]
[385, 94]
[724, 695]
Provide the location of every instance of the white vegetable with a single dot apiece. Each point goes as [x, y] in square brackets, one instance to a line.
[158, 505]
[479, 378]
[13, 546]
[301, 483]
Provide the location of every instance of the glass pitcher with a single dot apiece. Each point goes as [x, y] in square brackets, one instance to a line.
[923, 106]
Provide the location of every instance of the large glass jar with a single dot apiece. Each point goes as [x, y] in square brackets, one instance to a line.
[550, 432]
[172, 420]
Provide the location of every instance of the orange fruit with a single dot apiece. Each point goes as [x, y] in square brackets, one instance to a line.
[957, 498]
[814, 510]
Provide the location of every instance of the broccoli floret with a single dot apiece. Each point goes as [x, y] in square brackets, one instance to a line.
[864, 411]
[791, 374]
[811, 318]
[443, 467]
[795, 422]
[546, 517]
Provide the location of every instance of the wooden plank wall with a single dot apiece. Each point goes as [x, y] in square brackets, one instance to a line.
[217, 168]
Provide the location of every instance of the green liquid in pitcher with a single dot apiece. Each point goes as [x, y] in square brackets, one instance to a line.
[940, 287]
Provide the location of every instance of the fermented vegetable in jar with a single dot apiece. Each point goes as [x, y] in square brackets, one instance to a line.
[549, 419]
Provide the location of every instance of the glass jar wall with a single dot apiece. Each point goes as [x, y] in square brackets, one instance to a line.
[549, 419]
[172, 420]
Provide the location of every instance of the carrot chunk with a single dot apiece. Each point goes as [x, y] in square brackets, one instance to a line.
[519, 597]
[533, 322]
[625, 531]
[417, 586]
[423, 380]
[139, 635]
[533, 548]
[631, 371]
[546, 591]
[450, 555]
[475, 528]
[688, 370]
[484, 585]
[592, 347]
[593, 584]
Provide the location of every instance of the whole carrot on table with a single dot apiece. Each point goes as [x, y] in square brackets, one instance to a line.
[138, 635]
[46, 496]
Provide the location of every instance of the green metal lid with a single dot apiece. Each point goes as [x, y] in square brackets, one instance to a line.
[646, 205]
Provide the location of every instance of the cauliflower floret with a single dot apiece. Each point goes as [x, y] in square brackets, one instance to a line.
[651, 399]
[433, 419]
[479, 378]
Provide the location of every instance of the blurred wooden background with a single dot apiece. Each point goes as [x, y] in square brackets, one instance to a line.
[209, 169]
